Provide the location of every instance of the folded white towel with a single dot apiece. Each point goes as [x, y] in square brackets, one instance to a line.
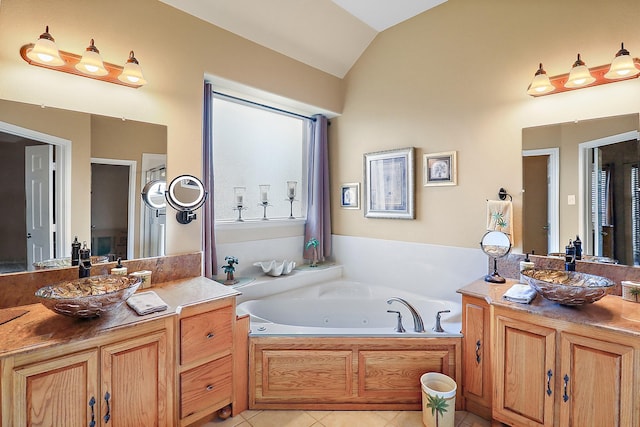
[146, 302]
[523, 294]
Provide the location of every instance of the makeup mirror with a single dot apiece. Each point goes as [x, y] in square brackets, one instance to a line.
[495, 244]
[186, 194]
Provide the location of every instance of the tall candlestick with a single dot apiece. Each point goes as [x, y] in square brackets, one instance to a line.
[291, 189]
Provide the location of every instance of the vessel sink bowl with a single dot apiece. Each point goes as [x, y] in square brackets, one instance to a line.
[90, 296]
[567, 287]
[276, 268]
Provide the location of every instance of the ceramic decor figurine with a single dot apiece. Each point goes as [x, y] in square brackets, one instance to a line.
[229, 269]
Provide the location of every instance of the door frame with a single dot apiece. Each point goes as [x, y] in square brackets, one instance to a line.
[63, 178]
[131, 210]
[584, 173]
[553, 209]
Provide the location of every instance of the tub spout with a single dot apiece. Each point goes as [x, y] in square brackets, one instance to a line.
[418, 325]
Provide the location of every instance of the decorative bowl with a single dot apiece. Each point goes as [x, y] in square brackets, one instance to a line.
[88, 297]
[276, 268]
[567, 287]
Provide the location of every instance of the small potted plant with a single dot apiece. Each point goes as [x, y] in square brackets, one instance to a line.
[313, 244]
[229, 269]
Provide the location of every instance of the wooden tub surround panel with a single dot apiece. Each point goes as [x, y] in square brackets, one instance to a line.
[346, 373]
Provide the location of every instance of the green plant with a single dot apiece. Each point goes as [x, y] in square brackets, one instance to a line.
[438, 406]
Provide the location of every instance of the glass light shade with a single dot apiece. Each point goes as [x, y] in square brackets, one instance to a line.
[132, 72]
[291, 189]
[238, 196]
[622, 66]
[264, 193]
[45, 51]
[579, 75]
[91, 62]
[540, 83]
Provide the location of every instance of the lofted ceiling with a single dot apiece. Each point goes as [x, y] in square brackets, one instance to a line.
[329, 35]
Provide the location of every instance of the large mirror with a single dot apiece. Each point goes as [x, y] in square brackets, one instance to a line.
[581, 179]
[71, 174]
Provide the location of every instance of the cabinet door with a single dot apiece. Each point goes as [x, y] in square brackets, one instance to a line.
[476, 382]
[57, 392]
[524, 369]
[135, 377]
[597, 383]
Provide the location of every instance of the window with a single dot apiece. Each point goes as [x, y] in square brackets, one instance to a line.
[255, 145]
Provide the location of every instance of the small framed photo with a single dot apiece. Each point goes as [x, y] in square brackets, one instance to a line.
[440, 169]
[350, 195]
[389, 184]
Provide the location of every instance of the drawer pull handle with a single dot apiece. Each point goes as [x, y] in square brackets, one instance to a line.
[549, 375]
[565, 396]
[92, 403]
[107, 416]
[210, 335]
[210, 387]
[478, 345]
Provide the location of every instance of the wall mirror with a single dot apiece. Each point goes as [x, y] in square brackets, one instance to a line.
[596, 195]
[92, 192]
[186, 194]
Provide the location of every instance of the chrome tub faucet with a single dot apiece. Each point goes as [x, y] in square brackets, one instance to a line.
[418, 325]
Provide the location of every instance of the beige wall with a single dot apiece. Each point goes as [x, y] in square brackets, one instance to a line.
[175, 51]
[455, 78]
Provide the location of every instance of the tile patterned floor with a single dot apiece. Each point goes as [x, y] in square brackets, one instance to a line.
[338, 419]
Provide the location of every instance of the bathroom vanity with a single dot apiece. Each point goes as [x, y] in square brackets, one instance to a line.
[170, 368]
[544, 364]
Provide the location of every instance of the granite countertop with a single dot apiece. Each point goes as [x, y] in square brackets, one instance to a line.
[41, 328]
[611, 313]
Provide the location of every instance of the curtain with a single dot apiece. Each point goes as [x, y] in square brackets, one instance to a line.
[318, 224]
[208, 236]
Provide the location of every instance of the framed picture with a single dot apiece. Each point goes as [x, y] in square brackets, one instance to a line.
[440, 169]
[389, 182]
[350, 195]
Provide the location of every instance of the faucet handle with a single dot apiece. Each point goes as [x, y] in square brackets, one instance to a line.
[438, 327]
[399, 327]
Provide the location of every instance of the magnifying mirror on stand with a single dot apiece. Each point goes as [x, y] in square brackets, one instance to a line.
[186, 194]
[496, 244]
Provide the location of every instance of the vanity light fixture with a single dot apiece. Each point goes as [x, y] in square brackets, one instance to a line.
[579, 75]
[44, 53]
[623, 67]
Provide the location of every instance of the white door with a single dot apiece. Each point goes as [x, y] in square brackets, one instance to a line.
[39, 193]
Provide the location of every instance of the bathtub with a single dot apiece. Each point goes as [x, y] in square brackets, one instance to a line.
[347, 308]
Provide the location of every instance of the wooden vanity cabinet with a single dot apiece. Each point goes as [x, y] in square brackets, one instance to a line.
[205, 355]
[549, 372]
[476, 351]
[118, 380]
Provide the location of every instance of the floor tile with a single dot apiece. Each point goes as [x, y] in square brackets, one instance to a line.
[229, 422]
[353, 419]
[318, 415]
[249, 413]
[407, 419]
[387, 415]
[282, 419]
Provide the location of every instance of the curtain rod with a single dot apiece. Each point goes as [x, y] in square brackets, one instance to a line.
[268, 107]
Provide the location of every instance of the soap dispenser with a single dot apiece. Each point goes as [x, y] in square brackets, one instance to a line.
[526, 264]
[119, 268]
[578, 245]
[84, 269]
[570, 257]
[75, 252]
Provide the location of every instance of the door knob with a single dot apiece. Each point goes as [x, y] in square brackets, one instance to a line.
[28, 235]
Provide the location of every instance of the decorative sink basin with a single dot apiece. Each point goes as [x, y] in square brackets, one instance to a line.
[276, 268]
[567, 287]
[88, 297]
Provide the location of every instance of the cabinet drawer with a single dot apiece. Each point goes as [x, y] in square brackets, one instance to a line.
[205, 385]
[205, 334]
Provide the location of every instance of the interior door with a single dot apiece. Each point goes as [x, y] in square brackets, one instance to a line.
[39, 168]
[536, 206]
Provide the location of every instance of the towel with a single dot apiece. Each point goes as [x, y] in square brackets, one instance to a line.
[500, 216]
[146, 302]
[523, 294]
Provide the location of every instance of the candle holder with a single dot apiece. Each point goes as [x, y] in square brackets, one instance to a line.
[264, 199]
[238, 194]
[291, 194]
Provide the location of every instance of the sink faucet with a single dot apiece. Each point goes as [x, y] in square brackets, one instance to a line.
[418, 325]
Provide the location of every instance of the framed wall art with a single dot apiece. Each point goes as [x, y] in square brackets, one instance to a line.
[440, 169]
[350, 195]
[389, 184]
